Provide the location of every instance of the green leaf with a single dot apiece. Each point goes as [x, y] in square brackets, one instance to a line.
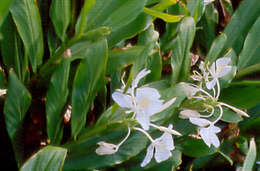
[180, 60]
[48, 158]
[196, 9]
[17, 102]
[60, 13]
[251, 49]
[119, 59]
[164, 16]
[216, 48]
[250, 157]
[28, 22]
[141, 22]
[4, 8]
[241, 96]
[82, 153]
[56, 98]
[88, 80]
[240, 24]
[113, 14]
[230, 116]
[194, 147]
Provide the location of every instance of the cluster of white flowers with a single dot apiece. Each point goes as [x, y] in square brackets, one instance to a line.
[143, 102]
[208, 80]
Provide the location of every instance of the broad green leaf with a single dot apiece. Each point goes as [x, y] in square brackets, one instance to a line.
[88, 80]
[82, 153]
[4, 8]
[180, 60]
[17, 102]
[28, 22]
[49, 158]
[194, 147]
[250, 53]
[141, 22]
[164, 16]
[230, 116]
[196, 9]
[60, 13]
[250, 157]
[240, 24]
[119, 59]
[113, 14]
[216, 48]
[56, 99]
[11, 48]
[241, 96]
[253, 122]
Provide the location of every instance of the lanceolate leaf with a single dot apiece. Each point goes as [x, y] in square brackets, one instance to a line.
[251, 50]
[114, 13]
[240, 24]
[4, 8]
[60, 13]
[49, 158]
[88, 80]
[17, 102]
[180, 60]
[56, 99]
[27, 19]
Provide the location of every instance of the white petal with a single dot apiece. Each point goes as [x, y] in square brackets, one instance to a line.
[149, 155]
[211, 84]
[106, 148]
[144, 119]
[215, 129]
[3, 92]
[215, 140]
[187, 113]
[139, 76]
[205, 135]
[168, 104]
[161, 153]
[200, 122]
[122, 100]
[223, 61]
[169, 130]
[222, 71]
[147, 92]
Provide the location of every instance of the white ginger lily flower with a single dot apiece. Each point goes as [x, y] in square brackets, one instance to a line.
[162, 147]
[190, 90]
[106, 148]
[206, 2]
[207, 131]
[217, 70]
[143, 102]
[3, 92]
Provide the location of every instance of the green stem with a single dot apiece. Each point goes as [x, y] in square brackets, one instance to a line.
[248, 70]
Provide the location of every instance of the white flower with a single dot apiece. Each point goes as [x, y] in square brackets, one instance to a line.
[187, 113]
[206, 2]
[218, 69]
[106, 148]
[190, 90]
[162, 147]
[167, 130]
[207, 131]
[3, 92]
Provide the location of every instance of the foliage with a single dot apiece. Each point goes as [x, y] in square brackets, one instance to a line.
[74, 76]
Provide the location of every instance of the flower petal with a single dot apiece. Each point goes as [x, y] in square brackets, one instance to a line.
[147, 92]
[205, 135]
[161, 153]
[149, 155]
[187, 113]
[200, 122]
[144, 119]
[122, 100]
[139, 76]
[215, 140]
[211, 84]
[106, 148]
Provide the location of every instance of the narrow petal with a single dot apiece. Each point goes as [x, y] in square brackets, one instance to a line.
[122, 100]
[168, 104]
[106, 148]
[143, 119]
[215, 140]
[139, 76]
[211, 84]
[200, 122]
[205, 135]
[187, 113]
[149, 155]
